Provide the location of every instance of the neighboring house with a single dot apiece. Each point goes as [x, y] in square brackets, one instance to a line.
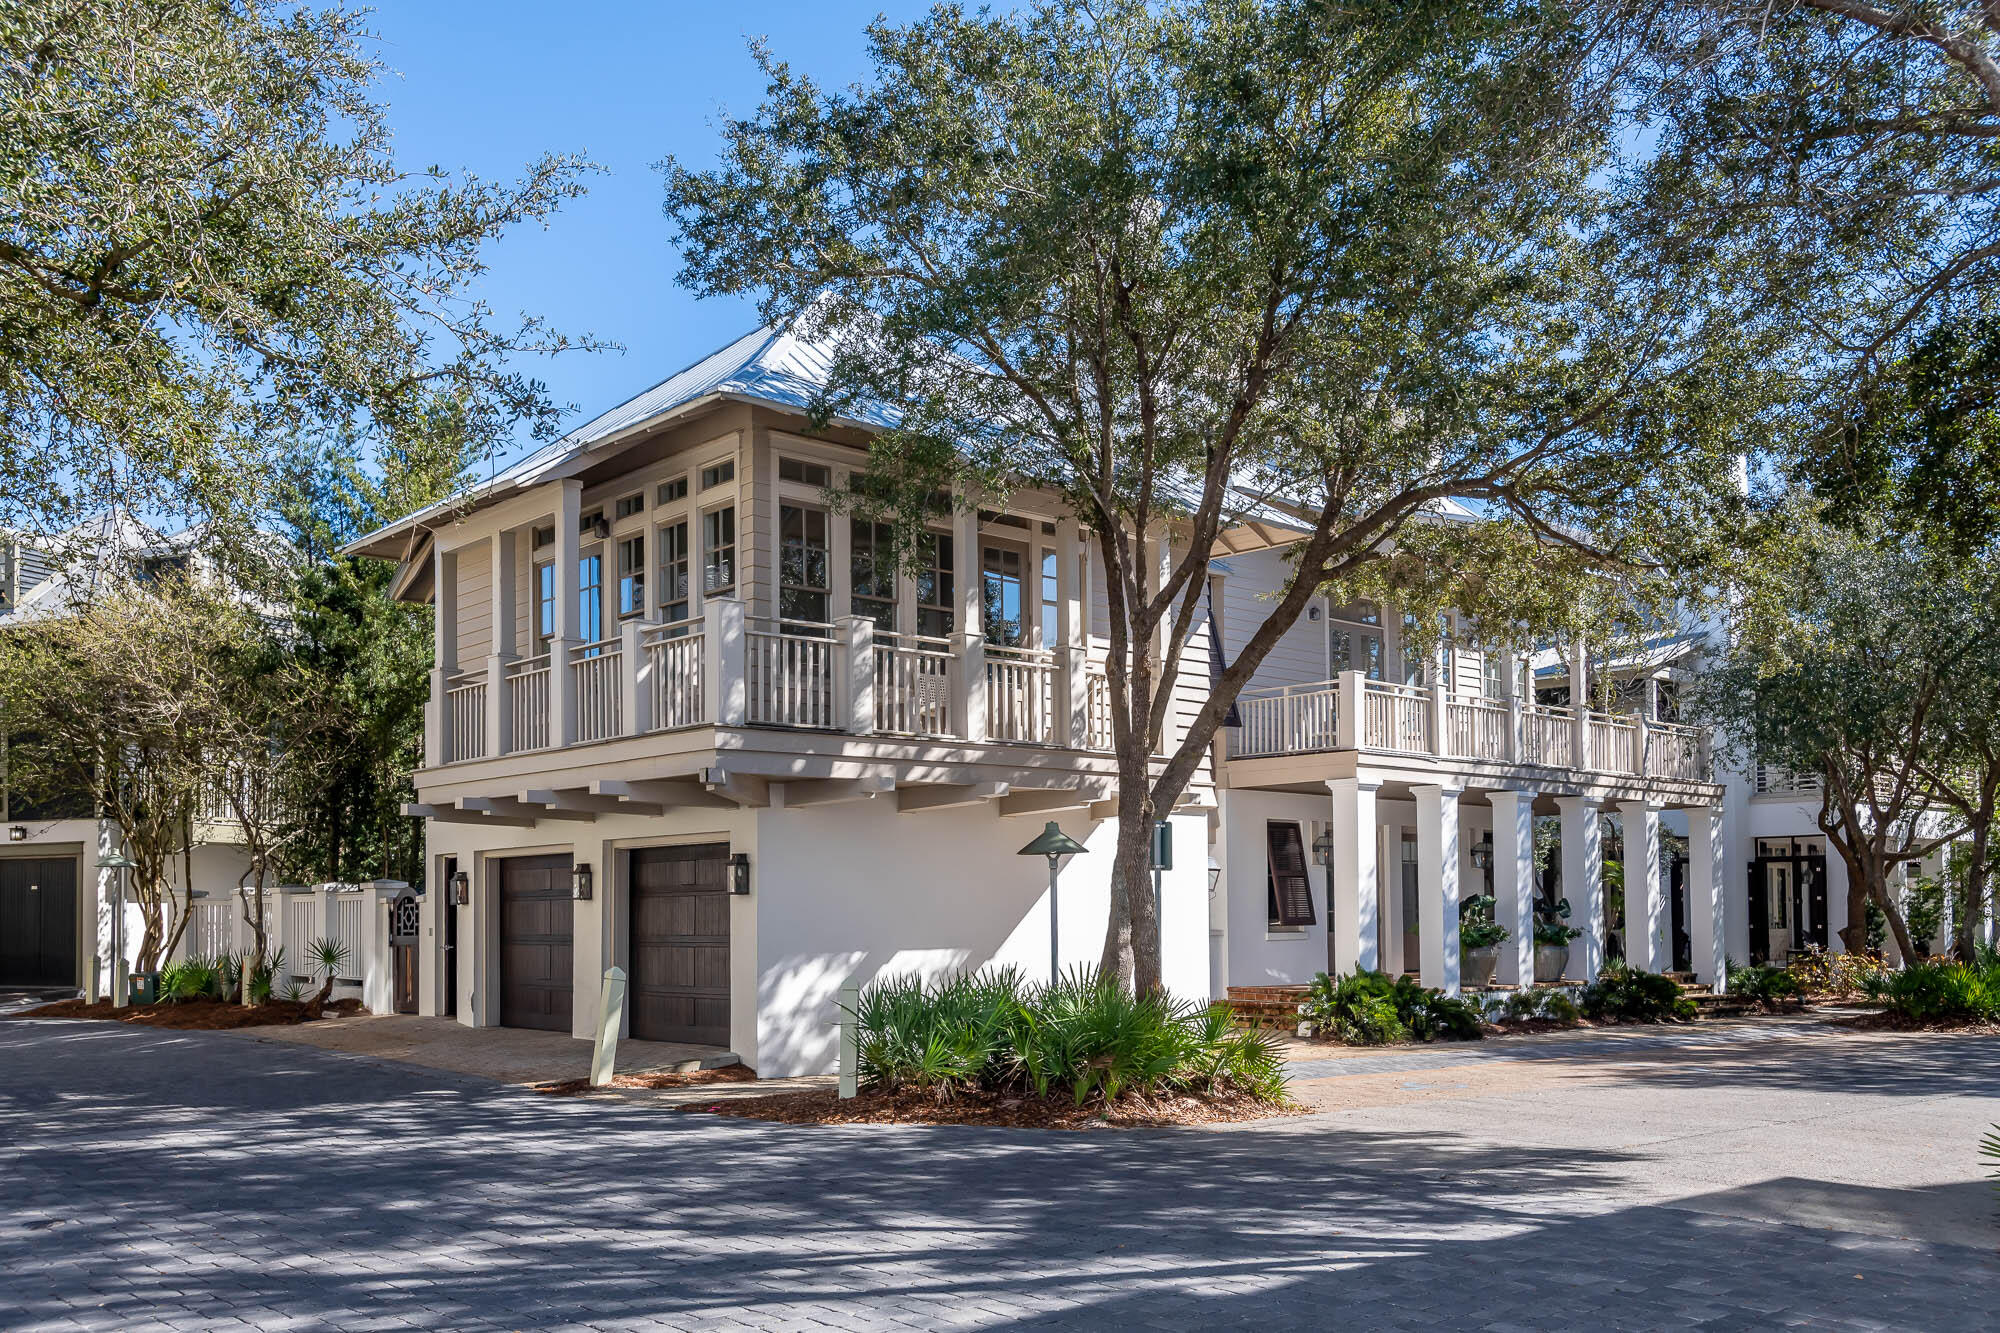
[55, 905]
[684, 721]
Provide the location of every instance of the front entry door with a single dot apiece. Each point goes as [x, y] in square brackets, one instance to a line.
[535, 943]
[37, 922]
[680, 944]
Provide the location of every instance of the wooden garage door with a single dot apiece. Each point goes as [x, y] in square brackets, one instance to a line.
[37, 922]
[680, 944]
[535, 938]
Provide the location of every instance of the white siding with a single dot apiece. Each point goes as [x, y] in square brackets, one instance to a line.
[1247, 600]
[475, 604]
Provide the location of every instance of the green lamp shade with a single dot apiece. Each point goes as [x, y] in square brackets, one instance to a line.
[1053, 842]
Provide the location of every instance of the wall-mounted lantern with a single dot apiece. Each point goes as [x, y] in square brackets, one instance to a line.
[1482, 852]
[579, 882]
[739, 874]
[461, 888]
[1323, 848]
[17, 833]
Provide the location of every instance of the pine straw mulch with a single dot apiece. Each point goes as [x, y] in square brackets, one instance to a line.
[1884, 1021]
[823, 1106]
[194, 1015]
[577, 1087]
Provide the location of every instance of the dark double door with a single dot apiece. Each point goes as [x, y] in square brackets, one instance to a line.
[537, 931]
[679, 984]
[37, 922]
[1787, 900]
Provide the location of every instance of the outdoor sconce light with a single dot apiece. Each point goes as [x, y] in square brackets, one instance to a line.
[739, 874]
[1482, 852]
[1323, 849]
[1214, 876]
[579, 882]
[17, 833]
[461, 888]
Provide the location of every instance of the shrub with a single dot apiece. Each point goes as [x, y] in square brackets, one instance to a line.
[1819, 972]
[1529, 1003]
[1553, 928]
[1923, 912]
[1371, 1009]
[1936, 991]
[1766, 983]
[1632, 996]
[1476, 927]
[189, 979]
[1083, 1035]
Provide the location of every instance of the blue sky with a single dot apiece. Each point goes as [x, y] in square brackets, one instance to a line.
[486, 88]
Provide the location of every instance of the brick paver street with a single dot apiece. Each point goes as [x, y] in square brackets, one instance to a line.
[213, 1181]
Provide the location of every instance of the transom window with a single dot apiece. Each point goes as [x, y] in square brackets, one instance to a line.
[802, 564]
[630, 505]
[670, 491]
[715, 474]
[810, 474]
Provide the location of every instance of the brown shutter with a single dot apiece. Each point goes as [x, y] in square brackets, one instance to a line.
[1291, 892]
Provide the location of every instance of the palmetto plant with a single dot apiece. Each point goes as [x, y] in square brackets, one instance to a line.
[1989, 1148]
[327, 957]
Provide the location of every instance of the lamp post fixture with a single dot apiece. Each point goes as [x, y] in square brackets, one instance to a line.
[1053, 843]
[118, 863]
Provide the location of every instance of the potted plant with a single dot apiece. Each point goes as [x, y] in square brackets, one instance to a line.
[1479, 940]
[1553, 933]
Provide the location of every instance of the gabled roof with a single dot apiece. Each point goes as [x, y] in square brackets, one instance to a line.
[59, 572]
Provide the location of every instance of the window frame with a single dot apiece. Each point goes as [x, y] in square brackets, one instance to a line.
[1288, 905]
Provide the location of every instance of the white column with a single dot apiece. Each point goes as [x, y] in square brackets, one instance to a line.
[855, 638]
[1707, 926]
[1579, 698]
[1072, 726]
[1514, 882]
[1389, 857]
[1351, 879]
[1437, 885]
[1583, 884]
[635, 682]
[724, 688]
[444, 652]
[562, 682]
[968, 639]
[499, 716]
[1646, 919]
[1350, 727]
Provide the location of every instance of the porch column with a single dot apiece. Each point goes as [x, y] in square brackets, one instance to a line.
[724, 688]
[1578, 658]
[444, 652]
[1158, 573]
[1350, 717]
[1351, 896]
[1072, 725]
[968, 639]
[1514, 882]
[499, 716]
[1583, 884]
[562, 682]
[635, 682]
[1646, 917]
[1389, 857]
[854, 637]
[1437, 885]
[1707, 925]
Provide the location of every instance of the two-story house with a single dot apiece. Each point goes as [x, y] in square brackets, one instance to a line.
[686, 719]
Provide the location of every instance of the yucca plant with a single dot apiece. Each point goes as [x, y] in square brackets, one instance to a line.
[328, 957]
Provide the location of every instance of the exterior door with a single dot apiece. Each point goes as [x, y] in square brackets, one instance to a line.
[679, 988]
[403, 932]
[37, 922]
[535, 943]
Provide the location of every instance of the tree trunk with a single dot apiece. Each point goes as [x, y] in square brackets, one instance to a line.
[1854, 935]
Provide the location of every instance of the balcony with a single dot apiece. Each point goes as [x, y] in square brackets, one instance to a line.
[1404, 722]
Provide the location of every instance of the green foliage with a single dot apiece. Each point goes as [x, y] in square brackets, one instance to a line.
[206, 247]
[1476, 927]
[1553, 927]
[1084, 1035]
[1630, 995]
[1766, 983]
[1820, 972]
[1876, 929]
[327, 957]
[1989, 1148]
[1923, 910]
[191, 979]
[265, 974]
[1939, 992]
[1545, 1003]
[1371, 1009]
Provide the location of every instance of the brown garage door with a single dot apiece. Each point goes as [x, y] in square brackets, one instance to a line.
[535, 933]
[680, 944]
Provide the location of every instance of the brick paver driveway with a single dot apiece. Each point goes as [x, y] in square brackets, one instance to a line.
[210, 1181]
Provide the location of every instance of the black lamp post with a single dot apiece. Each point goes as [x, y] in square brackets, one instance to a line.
[1053, 843]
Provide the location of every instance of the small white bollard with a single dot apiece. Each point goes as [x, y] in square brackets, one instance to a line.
[850, 1042]
[610, 1017]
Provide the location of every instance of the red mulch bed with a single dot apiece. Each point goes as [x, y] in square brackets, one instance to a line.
[823, 1106]
[1522, 1027]
[574, 1087]
[194, 1015]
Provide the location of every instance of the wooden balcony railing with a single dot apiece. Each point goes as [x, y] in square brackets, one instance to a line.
[528, 703]
[912, 685]
[790, 673]
[465, 707]
[1287, 720]
[674, 652]
[1020, 695]
[596, 669]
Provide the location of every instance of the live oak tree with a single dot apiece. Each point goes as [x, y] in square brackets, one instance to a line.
[207, 247]
[1172, 262]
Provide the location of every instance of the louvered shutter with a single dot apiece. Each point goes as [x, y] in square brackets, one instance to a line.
[1291, 902]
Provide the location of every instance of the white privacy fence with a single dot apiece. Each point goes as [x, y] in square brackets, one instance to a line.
[353, 916]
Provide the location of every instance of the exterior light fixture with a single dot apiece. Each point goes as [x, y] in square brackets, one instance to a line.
[579, 882]
[1482, 851]
[1054, 844]
[1323, 849]
[17, 833]
[461, 888]
[1214, 876]
[118, 863]
[739, 874]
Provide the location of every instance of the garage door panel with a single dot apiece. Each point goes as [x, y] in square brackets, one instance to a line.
[679, 944]
[536, 949]
[38, 922]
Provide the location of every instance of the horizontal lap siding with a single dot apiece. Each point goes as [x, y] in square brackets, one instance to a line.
[1248, 598]
[475, 603]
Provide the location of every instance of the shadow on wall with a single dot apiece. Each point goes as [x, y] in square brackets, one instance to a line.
[448, 1203]
[802, 983]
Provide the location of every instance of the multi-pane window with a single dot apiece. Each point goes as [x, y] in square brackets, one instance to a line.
[1051, 600]
[872, 572]
[802, 564]
[1000, 591]
[545, 603]
[1496, 664]
[670, 491]
[935, 590]
[674, 571]
[632, 576]
[811, 474]
[590, 595]
[1413, 656]
[1354, 639]
[717, 473]
[718, 552]
[630, 505]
